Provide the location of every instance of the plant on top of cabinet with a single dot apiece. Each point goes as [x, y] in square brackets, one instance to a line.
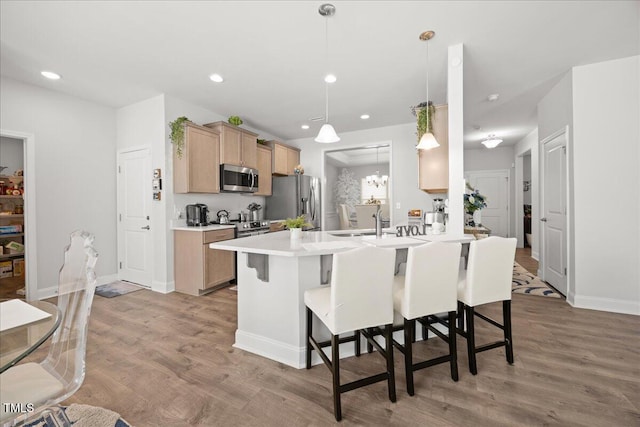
[177, 134]
[235, 120]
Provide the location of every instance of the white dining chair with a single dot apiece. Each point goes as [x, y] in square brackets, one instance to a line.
[343, 215]
[486, 279]
[365, 216]
[358, 299]
[428, 289]
[62, 372]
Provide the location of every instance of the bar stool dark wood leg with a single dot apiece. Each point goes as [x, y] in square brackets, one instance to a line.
[453, 352]
[391, 380]
[408, 354]
[506, 315]
[335, 370]
[471, 339]
[309, 328]
[460, 315]
[356, 336]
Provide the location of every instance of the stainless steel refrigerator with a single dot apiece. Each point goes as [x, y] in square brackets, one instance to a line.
[293, 196]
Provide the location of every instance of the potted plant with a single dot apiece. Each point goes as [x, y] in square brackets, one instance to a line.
[474, 202]
[424, 117]
[295, 226]
[177, 134]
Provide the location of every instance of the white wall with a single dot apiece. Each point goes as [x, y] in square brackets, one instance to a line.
[478, 159]
[75, 164]
[404, 163]
[11, 155]
[606, 107]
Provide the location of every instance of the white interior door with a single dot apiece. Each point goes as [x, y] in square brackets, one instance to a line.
[554, 210]
[134, 200]
[494, 185]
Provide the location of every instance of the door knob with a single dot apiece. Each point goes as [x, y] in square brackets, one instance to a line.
[543, 219]
[146, 228]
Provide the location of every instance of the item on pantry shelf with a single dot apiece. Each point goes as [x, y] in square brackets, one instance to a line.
[18, 210]
[18, 267]
[6, 269]
[15, 247]
[9, 229]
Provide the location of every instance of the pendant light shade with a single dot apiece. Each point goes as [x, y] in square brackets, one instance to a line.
[327, 133]
[427, 140]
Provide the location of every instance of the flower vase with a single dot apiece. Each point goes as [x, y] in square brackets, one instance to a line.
[296, 233]
[477, 218]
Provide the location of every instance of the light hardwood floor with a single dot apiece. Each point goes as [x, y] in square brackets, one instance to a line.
[168, 360]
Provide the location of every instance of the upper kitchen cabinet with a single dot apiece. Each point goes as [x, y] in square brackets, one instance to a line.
[285, 158]
[198, 170]
[237, 146]
[434, 164]
[264, 171]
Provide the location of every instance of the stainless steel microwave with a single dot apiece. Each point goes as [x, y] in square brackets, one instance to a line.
[238, 179]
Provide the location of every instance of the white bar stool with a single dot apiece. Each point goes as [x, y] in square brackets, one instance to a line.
[428, 288]
[359, 297]
[487, 279]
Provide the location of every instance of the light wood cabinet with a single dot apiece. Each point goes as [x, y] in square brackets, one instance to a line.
[264, 171]
[198, 171]
[199, 269]
[237, 146]
[433, 165]
[285, 158]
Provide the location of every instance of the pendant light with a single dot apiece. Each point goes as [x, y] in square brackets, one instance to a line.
[427, 141]
[327, 133]
[376, 179]
[491, 141]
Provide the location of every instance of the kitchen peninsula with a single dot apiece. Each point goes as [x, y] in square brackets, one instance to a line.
[274, 271]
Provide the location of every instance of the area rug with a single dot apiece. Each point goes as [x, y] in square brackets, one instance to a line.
[116, 288]
[526, 283]
[84, 416]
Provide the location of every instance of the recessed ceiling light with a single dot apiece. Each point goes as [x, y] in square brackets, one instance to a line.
[330, 78]
[216, 78]
[364, 116]
[50, 75]
[493, 97]
[305, 127]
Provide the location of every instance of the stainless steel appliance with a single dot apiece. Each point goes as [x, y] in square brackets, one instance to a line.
[223, 216]
[238, 179]
[293, 196]
[255, 211]
[197, 214]
[251, 228]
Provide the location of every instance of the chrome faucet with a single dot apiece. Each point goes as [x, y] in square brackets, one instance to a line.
[378, 217]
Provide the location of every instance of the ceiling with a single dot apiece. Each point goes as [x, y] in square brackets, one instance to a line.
[272, 56]
[371, 155]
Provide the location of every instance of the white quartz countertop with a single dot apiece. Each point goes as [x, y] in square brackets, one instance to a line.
[325, 242]
[184, 227]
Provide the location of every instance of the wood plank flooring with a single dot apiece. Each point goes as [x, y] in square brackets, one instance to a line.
[523, 257]
[167, 360]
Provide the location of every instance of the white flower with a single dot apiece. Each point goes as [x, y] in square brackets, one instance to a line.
[472, 200]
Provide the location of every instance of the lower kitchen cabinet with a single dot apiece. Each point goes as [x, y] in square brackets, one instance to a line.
[199, 269]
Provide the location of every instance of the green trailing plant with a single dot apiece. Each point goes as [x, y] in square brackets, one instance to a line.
[235, 120]
[177, 134]
[424, 113]
[298, 222]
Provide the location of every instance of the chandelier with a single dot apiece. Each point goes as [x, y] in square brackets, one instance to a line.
[376, 179]
[327, 133]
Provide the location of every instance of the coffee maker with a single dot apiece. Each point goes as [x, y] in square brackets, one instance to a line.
[197, 214]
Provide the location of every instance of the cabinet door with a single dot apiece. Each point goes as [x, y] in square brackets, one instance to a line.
[434, 163]
[231, 146]
[202, 153]
[293, 160]
[280, 159]
[264, 172]
[219, 266]
[249, 151]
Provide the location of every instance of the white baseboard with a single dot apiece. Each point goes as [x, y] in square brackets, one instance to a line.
[163, 287]
[52, 291]
[535, 255]
[607, 304]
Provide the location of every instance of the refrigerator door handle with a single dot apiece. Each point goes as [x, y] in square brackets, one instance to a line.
[313, 203]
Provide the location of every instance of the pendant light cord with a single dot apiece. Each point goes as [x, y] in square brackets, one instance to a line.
[326, 54]
[428, 86]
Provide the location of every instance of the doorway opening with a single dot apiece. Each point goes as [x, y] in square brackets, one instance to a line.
[354, 177]
[18, 271]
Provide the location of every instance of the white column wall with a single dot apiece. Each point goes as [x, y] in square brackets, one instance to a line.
[455, 90]
[606, 107]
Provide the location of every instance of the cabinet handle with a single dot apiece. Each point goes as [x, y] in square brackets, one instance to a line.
[146, 228]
